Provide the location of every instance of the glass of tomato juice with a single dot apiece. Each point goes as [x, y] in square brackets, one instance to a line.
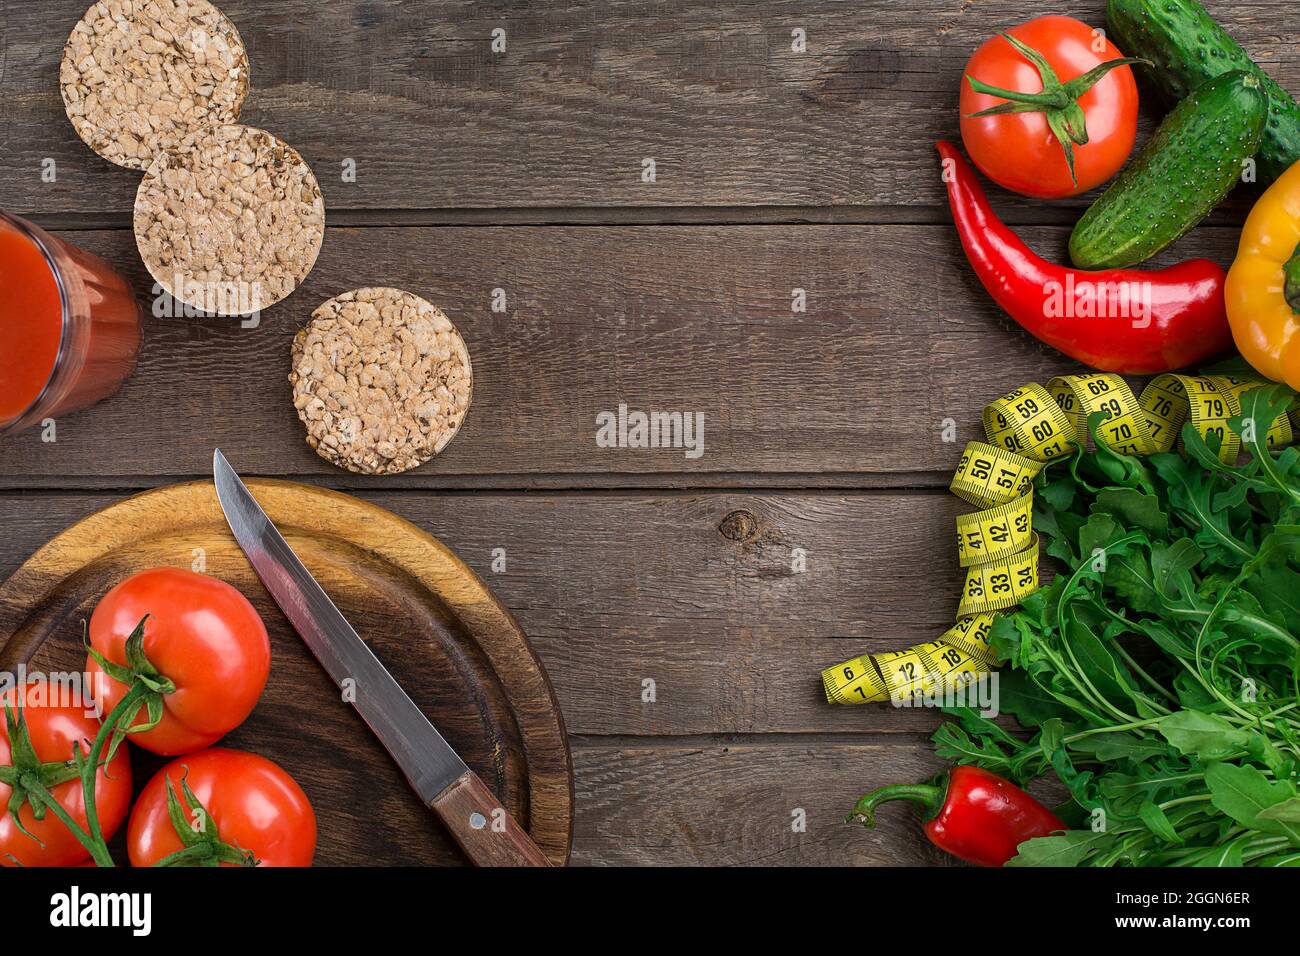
[69, 326]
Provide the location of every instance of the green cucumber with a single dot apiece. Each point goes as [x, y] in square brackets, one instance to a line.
[1192, 162]
[1187, 49]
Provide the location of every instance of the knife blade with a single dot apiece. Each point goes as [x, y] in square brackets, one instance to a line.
[434, 770]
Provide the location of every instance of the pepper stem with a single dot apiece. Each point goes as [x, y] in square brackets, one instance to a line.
[1058, 102]
[927, 795]
[1291, 273]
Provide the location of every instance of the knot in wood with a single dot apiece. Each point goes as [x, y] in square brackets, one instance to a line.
[738, 526]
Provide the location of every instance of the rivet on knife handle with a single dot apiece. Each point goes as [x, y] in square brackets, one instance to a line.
[486, 832]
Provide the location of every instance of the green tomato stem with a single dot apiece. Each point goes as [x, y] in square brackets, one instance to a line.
[197, 855]
[98, 849]
[128, 705]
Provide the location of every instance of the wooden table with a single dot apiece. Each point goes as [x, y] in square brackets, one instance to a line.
[815, 526]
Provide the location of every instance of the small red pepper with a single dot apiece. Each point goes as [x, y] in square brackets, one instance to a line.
[1117, 320]
[979, 817]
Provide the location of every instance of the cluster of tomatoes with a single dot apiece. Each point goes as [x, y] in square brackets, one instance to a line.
[211, 646]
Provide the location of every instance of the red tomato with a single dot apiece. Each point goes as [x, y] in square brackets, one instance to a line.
[1019, 150]
[252, 804]
[55, 726]
[203, 635]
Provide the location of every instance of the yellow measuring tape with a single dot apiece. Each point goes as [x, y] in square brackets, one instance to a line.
[997, 547]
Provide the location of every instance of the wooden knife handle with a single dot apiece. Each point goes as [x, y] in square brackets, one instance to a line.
[484, 828]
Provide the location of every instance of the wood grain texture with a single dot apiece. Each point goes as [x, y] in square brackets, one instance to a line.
[709, 803]
[695, 592]
[898, 339]
[653, 602]
[522, 171]
[584, 92]
[456, 650]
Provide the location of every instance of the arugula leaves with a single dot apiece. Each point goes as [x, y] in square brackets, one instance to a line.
[1159, 672]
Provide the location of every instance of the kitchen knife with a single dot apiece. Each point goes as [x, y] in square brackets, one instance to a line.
[483, 828]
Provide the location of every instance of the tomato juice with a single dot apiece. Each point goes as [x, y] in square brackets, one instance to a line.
[69, 326]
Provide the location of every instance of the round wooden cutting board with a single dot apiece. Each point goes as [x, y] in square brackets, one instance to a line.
[458, 653]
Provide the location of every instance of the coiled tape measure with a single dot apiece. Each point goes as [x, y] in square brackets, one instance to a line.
[1026, 429]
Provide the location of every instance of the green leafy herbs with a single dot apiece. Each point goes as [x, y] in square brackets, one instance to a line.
[1158, 671]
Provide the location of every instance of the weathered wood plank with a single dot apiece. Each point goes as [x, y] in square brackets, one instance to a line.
[897, 338]
[712, 804]
[583, 93]
[697, 593]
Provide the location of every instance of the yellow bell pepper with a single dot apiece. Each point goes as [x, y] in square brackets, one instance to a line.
[1263, 289]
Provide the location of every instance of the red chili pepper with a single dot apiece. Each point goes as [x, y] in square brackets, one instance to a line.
[978, 817]
[1116, 320]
